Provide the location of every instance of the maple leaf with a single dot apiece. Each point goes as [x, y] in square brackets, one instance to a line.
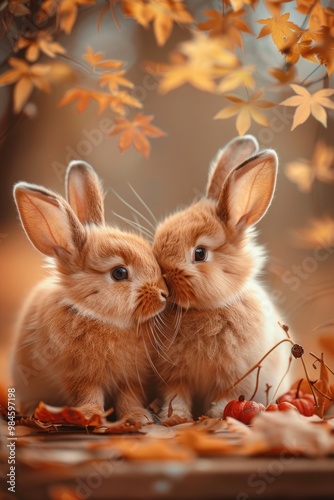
[237, 5]
[136, 132]
[285, 75]
[25, 77]
[323, 50]
[67, 11]
[246, 111]
[319, 232]
[307, 104]
[279, 27]
[65, 415]
[42, 42]
[228, 25]
[237, 77]
[162, 13]
[114, 80]
[18, 7]
[295, 47]
[321, 167]
[95, 59]
[116, 102]
[200, 61]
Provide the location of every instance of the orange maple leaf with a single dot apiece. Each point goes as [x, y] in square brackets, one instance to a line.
[25, 77]
[67, 11]
[229, 25]
[307, 104]
[304, 172]
[115, 80]
[237, 77]
[246, 110]
[323, 51]
[285, 75]
[42, 42]
[96, 60]
[117, 102]
[136, 132]
[279, 27]
[162, 13]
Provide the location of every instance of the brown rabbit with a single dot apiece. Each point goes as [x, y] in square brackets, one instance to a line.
[210, 261]
[81, 340]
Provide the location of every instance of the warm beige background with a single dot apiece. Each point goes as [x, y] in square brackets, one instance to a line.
[175, 172]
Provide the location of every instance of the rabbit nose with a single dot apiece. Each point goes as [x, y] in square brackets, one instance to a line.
[163, 288]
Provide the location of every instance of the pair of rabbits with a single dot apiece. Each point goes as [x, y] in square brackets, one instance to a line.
[190, 304]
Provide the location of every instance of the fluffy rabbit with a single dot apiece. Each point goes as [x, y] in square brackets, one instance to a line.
[81, 339]
[210, 261]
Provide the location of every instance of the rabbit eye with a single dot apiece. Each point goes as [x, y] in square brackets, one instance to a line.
[200, 254]
[119, 274]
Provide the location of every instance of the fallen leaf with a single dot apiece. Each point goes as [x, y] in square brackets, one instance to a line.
[279, 27]
[290, 432]
[307, 104]
[246, 110]
[204, 444]
[154, 450]
[135, 133]
[65, 415]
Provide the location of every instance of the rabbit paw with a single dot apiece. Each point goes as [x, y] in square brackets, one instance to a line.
[140, 416]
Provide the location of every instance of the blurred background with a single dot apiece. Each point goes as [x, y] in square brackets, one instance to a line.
[37, 145]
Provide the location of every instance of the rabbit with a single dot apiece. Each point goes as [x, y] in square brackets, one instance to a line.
[210, 261]
[82, 335]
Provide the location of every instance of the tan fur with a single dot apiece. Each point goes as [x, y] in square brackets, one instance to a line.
[83, 337]
[228, 320]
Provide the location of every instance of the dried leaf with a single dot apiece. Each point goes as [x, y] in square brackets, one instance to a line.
[246, 110]
[153, 450]
[136, 132]
[307, 104]
[96, 60]
[204, 444]
[66, 416]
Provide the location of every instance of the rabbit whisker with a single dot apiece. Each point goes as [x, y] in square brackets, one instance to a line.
[134, 210]
[136, 225]
[144, 204]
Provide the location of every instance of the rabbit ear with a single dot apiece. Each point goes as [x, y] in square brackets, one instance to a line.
[84, 192]
[48, 220]
[230, 157]
[248, 190]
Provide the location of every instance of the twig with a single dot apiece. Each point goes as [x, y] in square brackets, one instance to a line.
[281, 381]
[310, 383]
[268, 387]
[222, 394]
[256, 384]
[322, 361]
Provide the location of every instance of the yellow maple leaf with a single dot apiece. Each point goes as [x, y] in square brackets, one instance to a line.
[96, 60]
[319, 232]
[229, 25]
[162, 13]
[67, 11]
[25, 77]
[42, 42]
[246, 110]
[200, 61]
[136, 132]
[279, 27]
[237, 77]
[307, 104]
[304, 172]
